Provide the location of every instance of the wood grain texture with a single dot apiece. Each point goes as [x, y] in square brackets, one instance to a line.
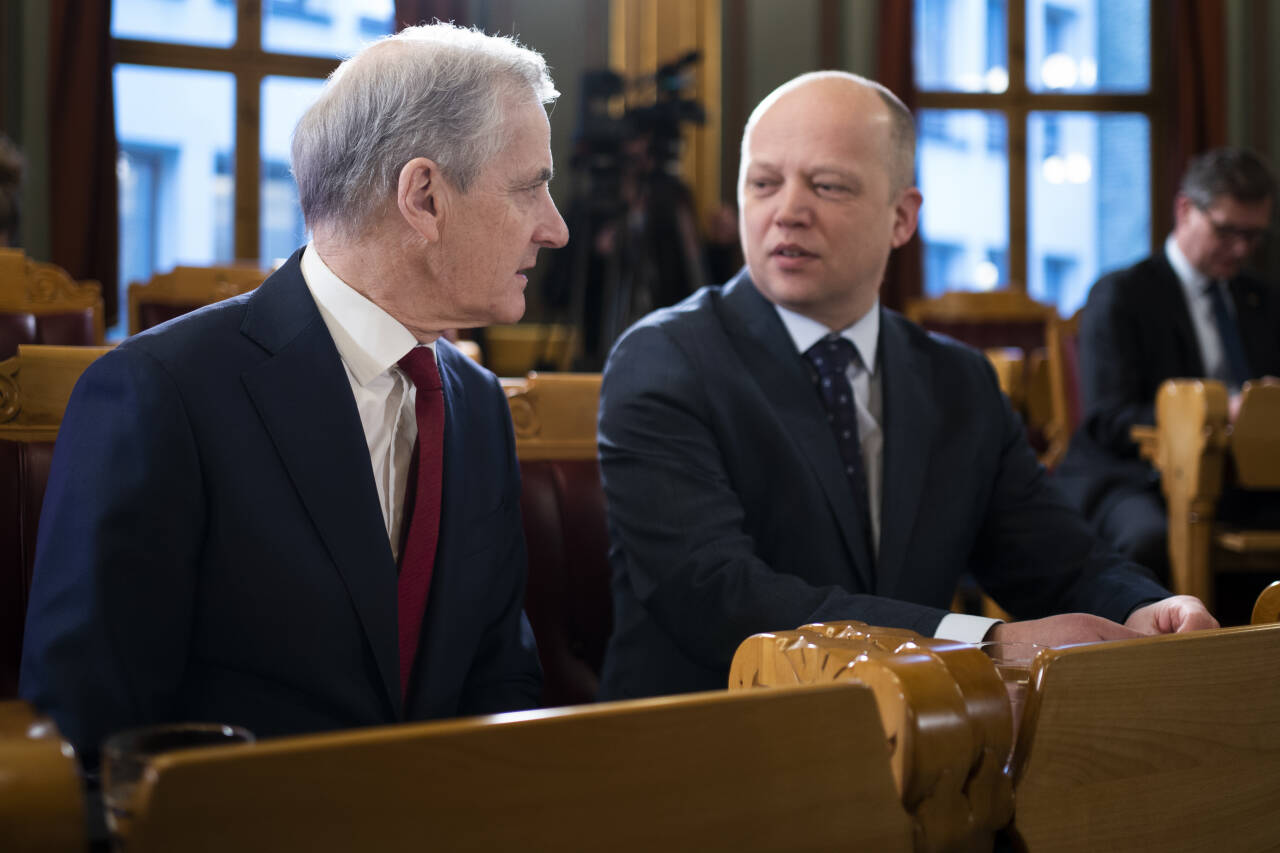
[754, 771]
[1163, 743]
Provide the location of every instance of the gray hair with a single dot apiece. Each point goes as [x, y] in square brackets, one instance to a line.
[437, 90]
[1235, 172]
[902, 125]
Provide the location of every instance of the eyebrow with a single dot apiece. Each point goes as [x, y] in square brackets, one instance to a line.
[543, 176]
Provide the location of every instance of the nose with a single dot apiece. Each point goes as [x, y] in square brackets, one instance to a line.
[551, 233]
[794, 210]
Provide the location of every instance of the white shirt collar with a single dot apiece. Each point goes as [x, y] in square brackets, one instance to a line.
[369, 339]
[1193, 281]
[863, 334]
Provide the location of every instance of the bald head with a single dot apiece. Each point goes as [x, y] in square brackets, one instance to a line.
[857, 99]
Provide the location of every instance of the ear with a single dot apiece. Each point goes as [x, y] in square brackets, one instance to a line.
[1181, 209]
[906, 212]
[421, 196]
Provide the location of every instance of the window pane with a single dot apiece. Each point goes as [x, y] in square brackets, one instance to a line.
[963, 163]
[175, 168]
[204, 22]
[324, 27]
[1089, 181]
[961, 45]
[1088, 45]
[280, 228]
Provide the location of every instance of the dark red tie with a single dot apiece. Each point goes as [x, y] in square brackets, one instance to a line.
[422, 493]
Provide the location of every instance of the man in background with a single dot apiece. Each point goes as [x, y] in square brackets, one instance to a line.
[298, 509]
[1190, 310]
[782, 450]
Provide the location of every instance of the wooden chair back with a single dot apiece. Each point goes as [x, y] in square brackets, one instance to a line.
[1159, 743]
[516, 350]
[944, 709]
[1010, 318]
[41, 304]
[35, 386]
[554, 414]
[763, 770]
[1195, 450]
[42, 808]
[567, 599]
[184, 289]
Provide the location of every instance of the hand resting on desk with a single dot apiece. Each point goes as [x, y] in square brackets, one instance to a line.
[1167, 616]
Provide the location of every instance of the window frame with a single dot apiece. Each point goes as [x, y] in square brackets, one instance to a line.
[249, 64]
[1018, 101]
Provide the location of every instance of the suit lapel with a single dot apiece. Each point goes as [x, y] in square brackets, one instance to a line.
[771, 360]
[1179, 314]
[909, 424]
[304, 399]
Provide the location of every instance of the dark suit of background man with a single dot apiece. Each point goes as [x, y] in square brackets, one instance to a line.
[226, 532]
[734, 507]
[1187, 311]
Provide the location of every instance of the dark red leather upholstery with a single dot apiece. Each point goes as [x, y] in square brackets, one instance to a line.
[1022, 334]
[154, 313]
[24, 472]
[568, 599]
[64, 328]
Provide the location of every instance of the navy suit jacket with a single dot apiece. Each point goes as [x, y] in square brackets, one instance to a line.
[1136, 332]
[730, 514]
[211, 546]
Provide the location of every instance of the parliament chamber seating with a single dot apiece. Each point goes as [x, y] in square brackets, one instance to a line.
[801, 770]
[568, 600]
[172, 294]
[1009, 319]
[41, 304]
[34, 388]
[42, 809]
[1158, 743]
[1201, 457]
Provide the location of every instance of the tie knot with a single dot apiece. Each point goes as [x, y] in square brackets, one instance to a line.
[419, 364]
[831, 356]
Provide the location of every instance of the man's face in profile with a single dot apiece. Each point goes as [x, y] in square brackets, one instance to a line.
[1220, 238]
[819, 214]
[491, 234]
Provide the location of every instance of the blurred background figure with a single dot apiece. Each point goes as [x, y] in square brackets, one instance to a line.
[11, 166]
[635, 244]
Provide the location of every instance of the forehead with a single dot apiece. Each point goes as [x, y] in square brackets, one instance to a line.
[527, 145]
[830, 121]
[1231, 210]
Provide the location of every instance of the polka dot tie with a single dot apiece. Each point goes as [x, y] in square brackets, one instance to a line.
[830, 359]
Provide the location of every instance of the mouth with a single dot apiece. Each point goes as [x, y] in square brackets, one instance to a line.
[790, 255]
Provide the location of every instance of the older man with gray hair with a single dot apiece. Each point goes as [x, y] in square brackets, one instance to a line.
[298, 509]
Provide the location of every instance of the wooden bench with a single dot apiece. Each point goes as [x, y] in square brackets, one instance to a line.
[41, 804]
[1198, 455]
[753, 771]
[1155, 744]
[943, 707]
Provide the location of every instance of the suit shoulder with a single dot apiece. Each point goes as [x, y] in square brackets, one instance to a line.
[691, 315]
[193, 336]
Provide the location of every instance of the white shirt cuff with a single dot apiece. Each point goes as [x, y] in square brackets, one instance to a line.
[964, 627]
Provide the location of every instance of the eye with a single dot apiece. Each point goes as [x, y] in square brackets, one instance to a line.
[830, 188]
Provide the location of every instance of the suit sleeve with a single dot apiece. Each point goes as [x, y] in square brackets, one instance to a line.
[678, 526]
[108, 623]
[1112, 368]
[506, 674]
[1037, 556]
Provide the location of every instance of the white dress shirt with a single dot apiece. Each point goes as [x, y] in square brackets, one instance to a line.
[371, 342]
[869, 400]
[1195, 285]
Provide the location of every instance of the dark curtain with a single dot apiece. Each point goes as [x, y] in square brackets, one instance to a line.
[83, 202]
[904, 277]
[410, 13]
[1197, 78]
